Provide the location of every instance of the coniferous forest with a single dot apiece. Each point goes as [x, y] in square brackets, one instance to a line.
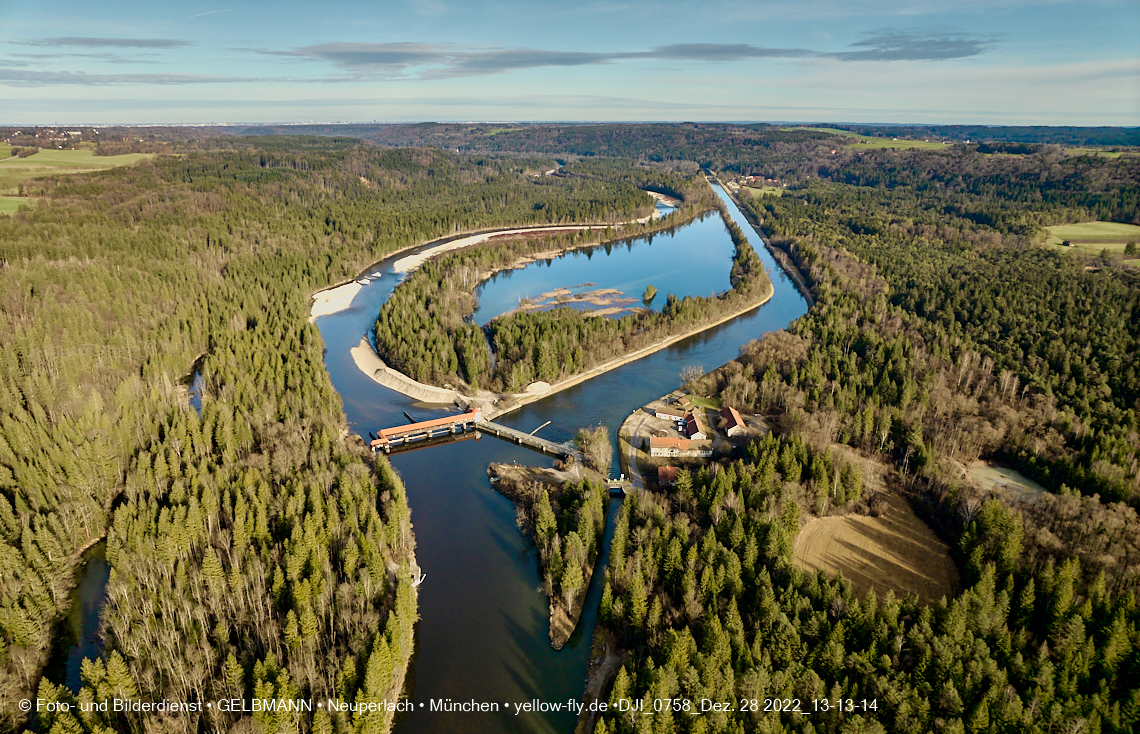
[942, 333]
[256, 549]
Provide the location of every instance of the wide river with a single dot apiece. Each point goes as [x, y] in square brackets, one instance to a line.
[482, 635]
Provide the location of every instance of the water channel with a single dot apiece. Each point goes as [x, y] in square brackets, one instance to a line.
[77, 636]
[483, 630]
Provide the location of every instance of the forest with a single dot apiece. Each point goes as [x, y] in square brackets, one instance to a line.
[936, 339]
[256, 549]
[115, 286]
[566, 522]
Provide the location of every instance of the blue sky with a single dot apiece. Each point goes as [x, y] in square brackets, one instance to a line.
[923, 61]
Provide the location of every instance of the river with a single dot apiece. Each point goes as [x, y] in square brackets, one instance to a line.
[483, 630]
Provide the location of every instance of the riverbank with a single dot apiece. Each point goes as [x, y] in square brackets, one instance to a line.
[606, 658]
[407, 264]
[411, 262]
[370, 364]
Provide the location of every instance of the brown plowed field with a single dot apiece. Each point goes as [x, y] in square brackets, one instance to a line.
[895, 551]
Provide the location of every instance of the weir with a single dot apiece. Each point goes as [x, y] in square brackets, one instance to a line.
[456, 425]
[450, 424]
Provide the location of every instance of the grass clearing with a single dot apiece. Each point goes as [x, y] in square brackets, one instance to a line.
[1093, 236]
[764, 190]
[11, 204]
[15, 171]
[5, 151]
[865, 142]
[710, 403]
[894, 551]
[1006, 482]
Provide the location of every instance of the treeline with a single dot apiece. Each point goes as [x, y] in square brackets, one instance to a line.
[1007, 193]
[643, 176]
[254, 550]
[801, 155]
[778, 153]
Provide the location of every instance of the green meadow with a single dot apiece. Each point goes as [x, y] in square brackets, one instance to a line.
[1093, 236]
[15, 171]
[764, 190]
[9, 204]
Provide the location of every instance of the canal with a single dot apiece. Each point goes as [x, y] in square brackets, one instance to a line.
[483, 628]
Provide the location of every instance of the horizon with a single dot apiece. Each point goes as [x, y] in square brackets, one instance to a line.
[1012, 63]
[742, 123]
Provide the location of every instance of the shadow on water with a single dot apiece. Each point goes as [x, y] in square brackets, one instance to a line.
[78, 633]
[483, 633]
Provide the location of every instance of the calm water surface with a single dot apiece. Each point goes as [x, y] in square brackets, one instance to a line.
[483, 632]
[693, 260]
[78, 635]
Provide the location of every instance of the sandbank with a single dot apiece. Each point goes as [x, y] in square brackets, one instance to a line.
[333, 300]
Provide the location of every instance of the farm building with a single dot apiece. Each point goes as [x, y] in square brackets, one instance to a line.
[679, 447]
[669, 414]
[666, 474]
[695, 426]
[732, 422]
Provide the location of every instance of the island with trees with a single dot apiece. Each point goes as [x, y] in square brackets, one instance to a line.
[425, 331]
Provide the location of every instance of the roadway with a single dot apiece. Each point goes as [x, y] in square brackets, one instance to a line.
[631, 458]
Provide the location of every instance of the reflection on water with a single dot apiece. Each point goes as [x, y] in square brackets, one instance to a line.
[693, 260]
[78, 636]
[197, 388]
[483, 632]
